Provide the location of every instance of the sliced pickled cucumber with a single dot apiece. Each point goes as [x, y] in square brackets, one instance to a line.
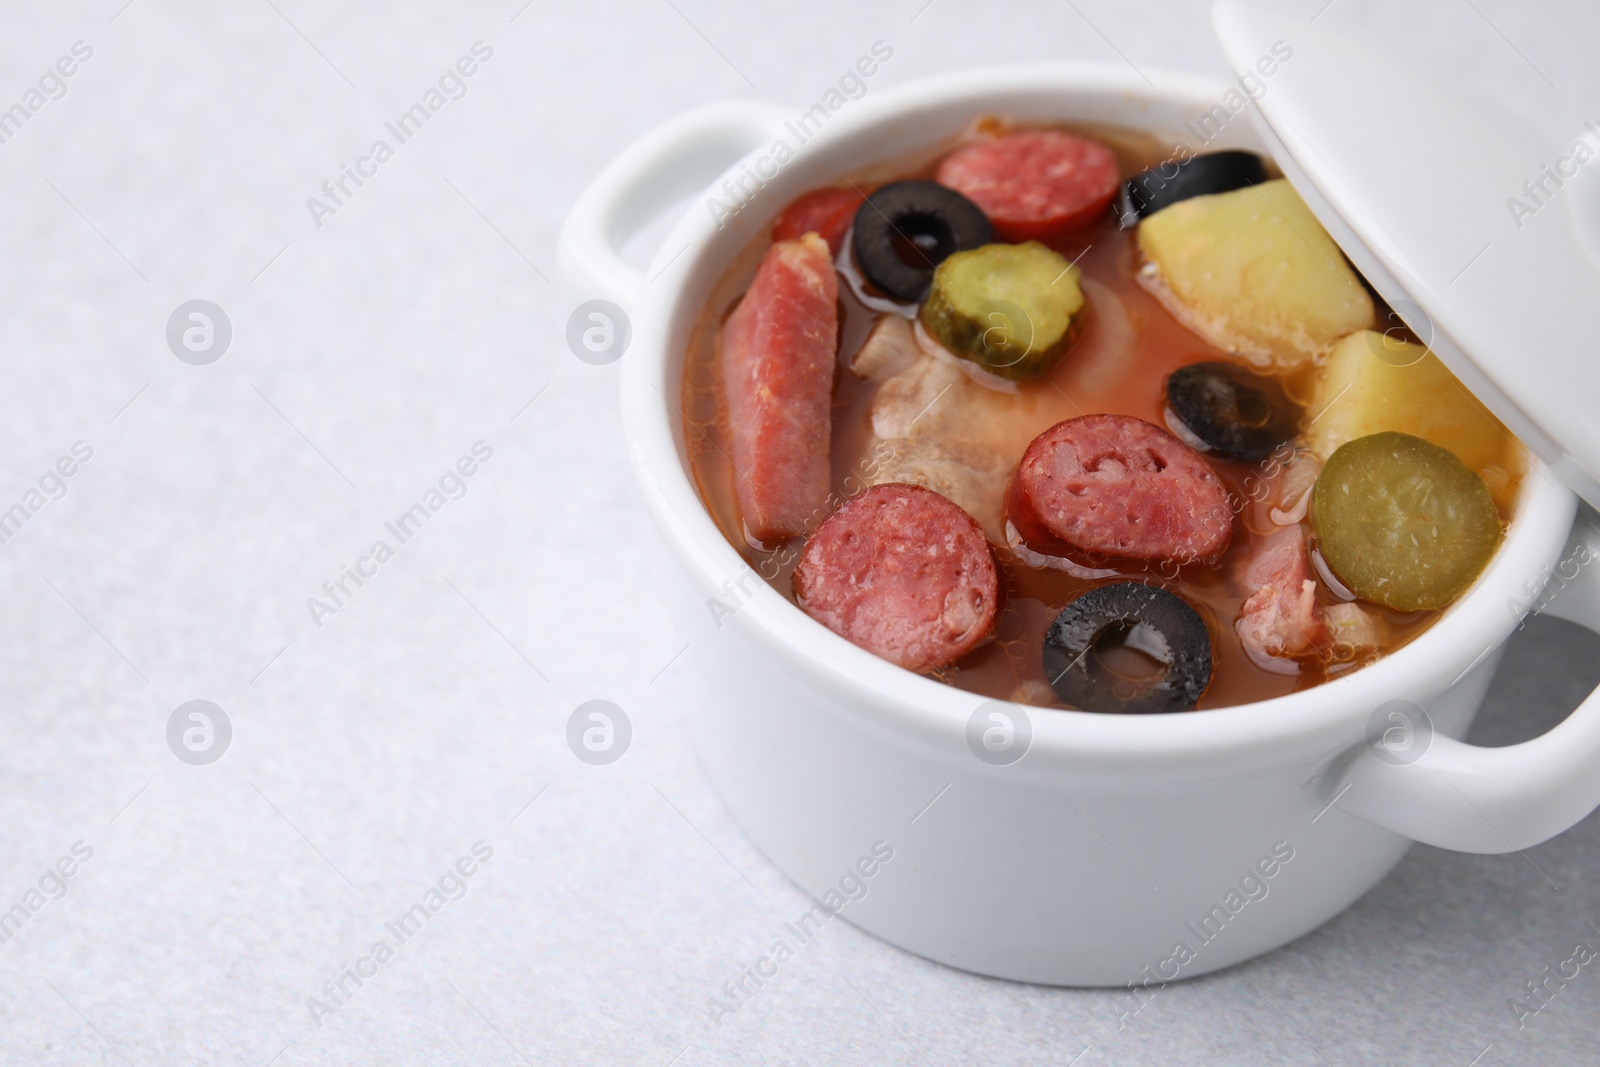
[1008, 308]
[1403, 522]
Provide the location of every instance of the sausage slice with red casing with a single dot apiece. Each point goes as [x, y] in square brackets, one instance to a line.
[825, 212]
[1035, 185]
[904, 573]
[1113, 487]
[778, 360]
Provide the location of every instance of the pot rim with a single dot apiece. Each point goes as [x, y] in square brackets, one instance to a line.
[887, 697]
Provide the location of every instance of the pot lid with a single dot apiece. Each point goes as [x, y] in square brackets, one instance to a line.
[1484, 241]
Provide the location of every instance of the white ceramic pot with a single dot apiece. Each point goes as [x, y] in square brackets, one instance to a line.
[1114, 839]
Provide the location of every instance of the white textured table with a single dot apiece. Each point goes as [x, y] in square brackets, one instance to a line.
[427, 710]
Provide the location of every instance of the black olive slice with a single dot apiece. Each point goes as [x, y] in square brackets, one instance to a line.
[1235, 412]
[1150, 624]
[905, 229]
[1167, 183]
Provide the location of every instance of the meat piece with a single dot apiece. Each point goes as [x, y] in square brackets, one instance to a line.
[1035, 185]
[925, 392]
[920, 400]
[1281, 618]
[904, 573]
[1116, 487]
[1293, 489]
[972, 478]
[778, 350]
[890, 348]
[1279, 489]
[934, 426]
[824, 212]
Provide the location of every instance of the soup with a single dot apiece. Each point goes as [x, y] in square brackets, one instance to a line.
[1197, 476]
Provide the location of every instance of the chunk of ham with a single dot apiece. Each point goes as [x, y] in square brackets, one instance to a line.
[778, 359]
[1281, 617]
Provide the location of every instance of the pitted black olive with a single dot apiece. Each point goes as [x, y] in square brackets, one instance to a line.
[1167, 183]
[905, 229]
[1165, 651]
[1235, 412]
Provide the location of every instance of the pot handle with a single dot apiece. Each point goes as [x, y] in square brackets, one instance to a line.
[673, 160]
[1488, 800]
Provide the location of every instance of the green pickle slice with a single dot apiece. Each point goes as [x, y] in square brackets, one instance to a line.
[1008, 308]
[1403, 522]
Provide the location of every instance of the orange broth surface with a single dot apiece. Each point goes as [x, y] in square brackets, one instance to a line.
[1087, 379]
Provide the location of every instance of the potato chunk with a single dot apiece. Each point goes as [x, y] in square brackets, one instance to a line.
[1254, 272]
[1373, 382]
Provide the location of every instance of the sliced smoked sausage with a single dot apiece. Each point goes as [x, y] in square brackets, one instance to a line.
[1115, 487]
[778, 359]
[1035, 185]
[904, 573]
[824, 212]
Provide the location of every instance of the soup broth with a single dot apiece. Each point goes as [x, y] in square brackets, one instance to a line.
[1129, 343]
